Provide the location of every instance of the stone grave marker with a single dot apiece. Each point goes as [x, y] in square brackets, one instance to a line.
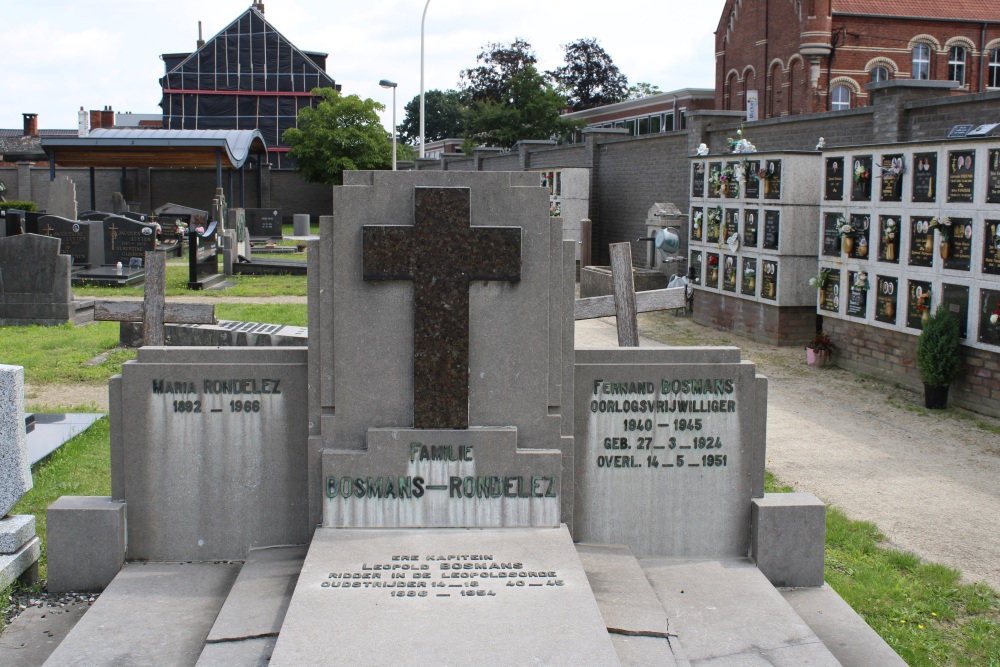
[125, 239]
[19, 547]
[35, 283]
[203, 258]
[264, 223]
[83, 241]
[62, 198]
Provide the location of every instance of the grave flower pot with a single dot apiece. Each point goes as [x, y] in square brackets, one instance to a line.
[945, 249]
[862, 249]
[890, 252]
[819, 358]
[847, 244]
[929, 243]
[935, 398]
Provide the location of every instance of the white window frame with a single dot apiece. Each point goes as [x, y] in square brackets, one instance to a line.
[921, 66]
[837, 103]
[956, 64]
[993, 69]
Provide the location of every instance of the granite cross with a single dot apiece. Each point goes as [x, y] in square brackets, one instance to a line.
[442, 254]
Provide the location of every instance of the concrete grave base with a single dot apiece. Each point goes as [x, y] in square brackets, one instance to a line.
[15, 531]
[788, 538]
[86, 542]
[13, 566]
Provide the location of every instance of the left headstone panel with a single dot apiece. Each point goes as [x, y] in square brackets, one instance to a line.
[15, 468]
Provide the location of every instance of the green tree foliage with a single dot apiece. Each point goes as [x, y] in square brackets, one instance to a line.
[938, 355]
[589, 76]
[338, 134]
[641, 90]
[528, 108]
[443, 117]
[498, 63]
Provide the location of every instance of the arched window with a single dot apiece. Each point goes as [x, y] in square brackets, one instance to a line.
[921, 62]
[956, 64]
[732, 88]
[878, 74]
[777, 78]
[994, 75]
[840, 98]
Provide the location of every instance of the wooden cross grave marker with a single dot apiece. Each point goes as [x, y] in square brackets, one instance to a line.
[154, 312]
[625, 304]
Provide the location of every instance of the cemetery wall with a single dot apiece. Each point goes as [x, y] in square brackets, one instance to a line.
[762, 322]
[933, 118]
[502, 162]
[800, 132]
[563, 157]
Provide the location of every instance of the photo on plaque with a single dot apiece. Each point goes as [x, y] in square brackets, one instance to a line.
[697, 223]
[729, 273]
[861, 224]
[924, 181]
[698, 179]
[714, 179]
[834, 190]
[751, 186]
[993, 177]
[888, 247]
[695, 268]
[750, 217]
[861, 178]
[768, 279]
[989, 317]
[918, 303]
[831, 235]
[829, 295]
[921, 242]
[732, 224]
[857, 295]
[772, 183]
[885, 299]
[955, 245]
[748, 285]
[991, 247]
[891, 177]
[712, 270]
[771, 229]
[961, 176]
[956, 299]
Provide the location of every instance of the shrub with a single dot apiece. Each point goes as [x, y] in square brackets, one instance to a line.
[938, 355]
[19, 205]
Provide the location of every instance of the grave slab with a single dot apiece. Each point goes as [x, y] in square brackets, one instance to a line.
[36, 632]
[53, 430]
[443, 597]
[15, 531]
[15, 468]
[151, 615]
[16, 564]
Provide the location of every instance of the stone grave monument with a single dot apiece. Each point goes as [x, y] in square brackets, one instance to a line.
[19, 547]
[35, 285]
[62, 198]
[81, 240]
[264, 223]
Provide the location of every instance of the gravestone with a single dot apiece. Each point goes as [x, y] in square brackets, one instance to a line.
[83, 241]
[19, 548]
[62, 198]
[35, 284]
[11, 222]
[203, 258]
[125, 239]
[263, 223]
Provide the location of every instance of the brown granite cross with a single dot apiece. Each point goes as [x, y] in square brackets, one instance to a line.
[441, 253]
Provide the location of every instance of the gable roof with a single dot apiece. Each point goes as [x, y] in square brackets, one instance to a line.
[949, 10]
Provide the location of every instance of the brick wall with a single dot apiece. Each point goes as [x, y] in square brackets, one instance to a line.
[762, 322]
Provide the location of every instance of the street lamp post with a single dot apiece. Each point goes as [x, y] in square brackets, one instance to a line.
[422, 21]
[385, 83]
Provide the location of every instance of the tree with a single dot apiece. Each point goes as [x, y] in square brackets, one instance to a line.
[641, 90]
[528, 108]
[589, 76]
[339, 134]
[443, 117]
[499, 63]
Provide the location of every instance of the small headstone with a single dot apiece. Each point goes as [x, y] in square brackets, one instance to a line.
[264, 223]
[62, 198]
[15, 468]
[203, 258]
[126, 239]
[35, 283]
[83, 241]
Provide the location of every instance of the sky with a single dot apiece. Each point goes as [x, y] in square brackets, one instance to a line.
[95, 53]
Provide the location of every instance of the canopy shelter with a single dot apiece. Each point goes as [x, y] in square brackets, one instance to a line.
[159, 148]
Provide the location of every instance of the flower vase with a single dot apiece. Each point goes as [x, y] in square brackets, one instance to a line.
[925, 316]
[819, 358]
[929, 243]
[770, 291]
[945, 249]
[751, 284]
[890, 252]
[862, 249]
[847, 244]
[890, 309]
[713, 277]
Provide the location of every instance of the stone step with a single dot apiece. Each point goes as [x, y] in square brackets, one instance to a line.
[247, 627]
[151, 614]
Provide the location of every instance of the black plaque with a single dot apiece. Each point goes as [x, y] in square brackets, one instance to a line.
[993, 177]
[768, 279]
[918, 300]
[729, 275]
[732, 223]
[203, 255]
[698, 179]
[772, 184]
[168, 224]
[956, 250]
[714, 174]
[712, 270]
[834, 179]
[857, 296]
[956, 299]
[714, 225]
[921, 242]
[889, 232]
[126, 239]
[695, 268]
[748, 285]
[77, 238]
[697, 223]
[751, 188]
[925, 181]
[732, 183]
[991, 247]
[961, 176]
[861, 178]
[862, 238]
[829, 296]
[831, 235]
[264, 223]
[771, 229]
[751, 217]
[885, 299]
[989, 308]
[892, 177]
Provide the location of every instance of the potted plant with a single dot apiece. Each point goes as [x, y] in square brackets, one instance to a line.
[938, 356]
[819, 351]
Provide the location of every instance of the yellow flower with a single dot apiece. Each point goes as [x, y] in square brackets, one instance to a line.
[921, 627]
[903, 622]
[934, 613]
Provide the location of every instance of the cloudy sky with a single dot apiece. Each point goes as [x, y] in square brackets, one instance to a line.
[65, 54]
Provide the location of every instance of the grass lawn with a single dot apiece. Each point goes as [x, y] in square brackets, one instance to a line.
[177, 277]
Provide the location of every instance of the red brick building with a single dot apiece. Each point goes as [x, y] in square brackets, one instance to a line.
[808, 56]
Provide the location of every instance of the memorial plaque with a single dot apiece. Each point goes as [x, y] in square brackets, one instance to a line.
[698, 179]
[695, 268]
[169, 221]
[956, 299]
[829, 296]
[712, 270]
[857, 297]
[892, 177]
[769, 280]
[729, 273]
[991, 247]
[834, 190]
[921, 242]
[697, 223]
[750, 218]
[993, 177]
[961, 176]
[82, 240]
[831, 236]
[861, 178]
[989, 308]
[919, 298]
[924, 177]
[862, 226]
[885, 299]
[748, 285]
[125, 239]
[889, 235]
[752, 181]
[714, 227]
[264, 223]
[732, 223]
[772, 184]
[771, 229]
[714, 184]
[957, 249]
[732, 182]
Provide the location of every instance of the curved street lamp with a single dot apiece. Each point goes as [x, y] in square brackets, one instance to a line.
[385, 83]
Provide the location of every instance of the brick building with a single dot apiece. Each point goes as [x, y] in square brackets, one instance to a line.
[787, 57]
